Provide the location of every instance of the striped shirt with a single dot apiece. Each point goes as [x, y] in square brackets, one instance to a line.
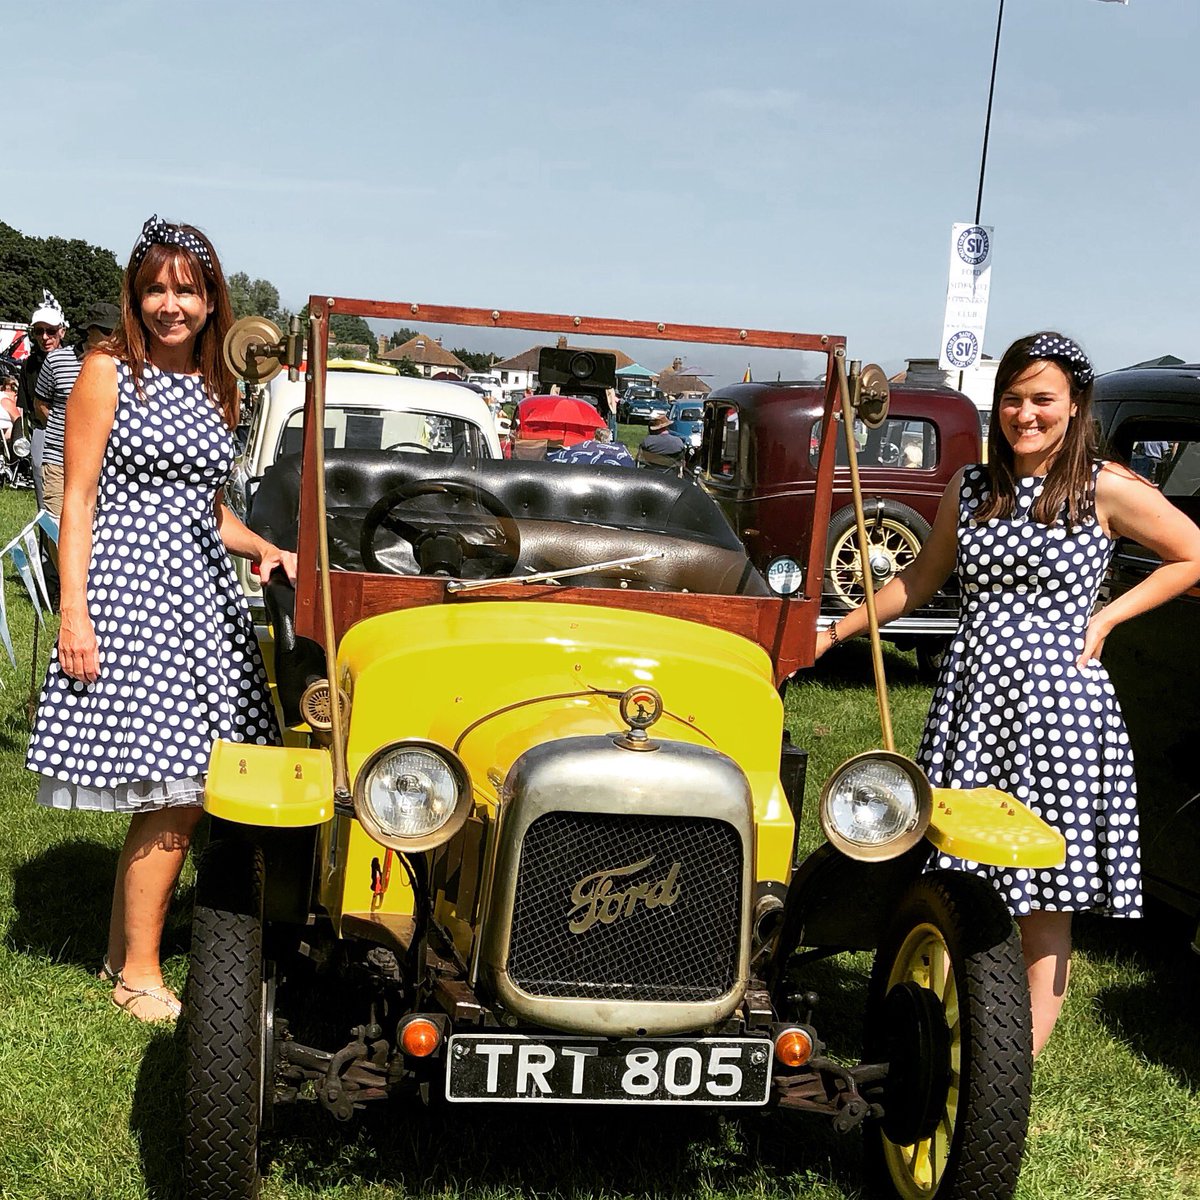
[54, 383]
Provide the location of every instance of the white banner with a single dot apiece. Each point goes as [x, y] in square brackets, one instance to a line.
[966, 297]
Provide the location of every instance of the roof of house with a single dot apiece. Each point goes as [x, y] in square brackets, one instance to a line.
[424, 349]
[678, 384]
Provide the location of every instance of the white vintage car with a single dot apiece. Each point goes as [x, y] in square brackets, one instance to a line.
[368, 407]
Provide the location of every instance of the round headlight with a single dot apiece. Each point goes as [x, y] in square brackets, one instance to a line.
[412, 796]
[876, 806]
[22, 447]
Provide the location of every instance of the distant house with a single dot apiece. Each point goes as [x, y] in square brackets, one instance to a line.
[520, 372]
[426, 354]
[976, 383]
[1163, 360]
[677, 380]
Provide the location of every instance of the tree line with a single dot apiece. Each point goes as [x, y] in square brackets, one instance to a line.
[79, 274]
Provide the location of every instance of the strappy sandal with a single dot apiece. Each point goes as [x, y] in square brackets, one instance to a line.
[106, 974]
[161, 995]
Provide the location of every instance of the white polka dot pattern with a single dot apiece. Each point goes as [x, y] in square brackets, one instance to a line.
[1012, 710]
[180, 665]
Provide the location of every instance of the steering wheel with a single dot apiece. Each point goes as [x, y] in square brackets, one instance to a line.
[409, 446]
[437, 539]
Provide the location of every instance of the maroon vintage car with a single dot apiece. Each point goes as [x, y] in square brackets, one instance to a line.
[758, 459]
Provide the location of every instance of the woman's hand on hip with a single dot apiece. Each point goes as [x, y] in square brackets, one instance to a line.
[78, 655]
[1098, 630]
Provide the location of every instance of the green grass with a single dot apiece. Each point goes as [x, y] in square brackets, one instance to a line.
[89, 1099]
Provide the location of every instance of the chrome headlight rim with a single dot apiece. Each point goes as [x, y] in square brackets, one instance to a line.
[903, 842]
[438, 837]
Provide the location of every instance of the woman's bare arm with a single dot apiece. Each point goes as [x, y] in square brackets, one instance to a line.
[90, 413]
[245, 543]
[1128, 506]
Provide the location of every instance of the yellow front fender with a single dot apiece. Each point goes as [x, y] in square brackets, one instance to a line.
[987, 825]
[284, 787]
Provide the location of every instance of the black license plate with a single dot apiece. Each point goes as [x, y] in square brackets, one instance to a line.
[508, 1066]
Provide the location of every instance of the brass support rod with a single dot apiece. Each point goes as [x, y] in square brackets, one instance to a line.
[341, 780]
[881, 695]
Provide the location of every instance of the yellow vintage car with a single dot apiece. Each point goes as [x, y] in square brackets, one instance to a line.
[533, 837]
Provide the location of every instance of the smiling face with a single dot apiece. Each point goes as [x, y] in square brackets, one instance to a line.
[174, 310]
[1034, 412]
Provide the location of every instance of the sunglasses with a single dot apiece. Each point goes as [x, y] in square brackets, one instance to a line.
[44, 330]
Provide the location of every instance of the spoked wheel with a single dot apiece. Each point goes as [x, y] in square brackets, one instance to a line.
[228, 1090]
[949, 1012]
[895, 534]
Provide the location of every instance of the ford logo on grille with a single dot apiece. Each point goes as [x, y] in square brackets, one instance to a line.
[596, 897]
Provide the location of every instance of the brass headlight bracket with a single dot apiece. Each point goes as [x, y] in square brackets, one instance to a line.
[255, 350]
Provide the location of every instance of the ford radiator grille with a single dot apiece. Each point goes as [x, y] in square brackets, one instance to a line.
[617, 907]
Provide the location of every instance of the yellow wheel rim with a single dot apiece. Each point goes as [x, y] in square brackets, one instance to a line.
[924, 959]
[890, 542]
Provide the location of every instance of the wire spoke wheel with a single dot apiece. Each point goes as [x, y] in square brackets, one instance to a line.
[895, 534]
[891, 546]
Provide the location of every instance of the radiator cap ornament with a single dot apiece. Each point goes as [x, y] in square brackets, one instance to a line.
[640, 707]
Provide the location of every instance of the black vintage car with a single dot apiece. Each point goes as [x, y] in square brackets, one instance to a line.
[1150, 418]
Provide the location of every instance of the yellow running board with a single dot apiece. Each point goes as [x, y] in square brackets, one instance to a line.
[987, 825]
[284, 787]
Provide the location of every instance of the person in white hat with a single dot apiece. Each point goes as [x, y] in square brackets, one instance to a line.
[46, 329]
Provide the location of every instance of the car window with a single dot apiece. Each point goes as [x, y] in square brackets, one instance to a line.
[1163, 449]
[688, 414]
[723, 447]
[1173, 465]
[908, 443]
[376, 429]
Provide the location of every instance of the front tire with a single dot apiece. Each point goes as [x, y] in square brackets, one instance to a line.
[224, 1101]
[948, 1009]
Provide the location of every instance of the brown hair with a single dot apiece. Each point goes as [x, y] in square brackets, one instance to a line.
[1069, 479]
[128, 341]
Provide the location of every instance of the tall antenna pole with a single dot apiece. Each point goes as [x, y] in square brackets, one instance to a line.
[987, 129]
[987, 125]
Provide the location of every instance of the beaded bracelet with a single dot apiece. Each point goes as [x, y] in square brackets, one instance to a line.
[834, 640]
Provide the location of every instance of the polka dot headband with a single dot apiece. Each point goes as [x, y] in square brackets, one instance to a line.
[1066, 353]
[160, 233]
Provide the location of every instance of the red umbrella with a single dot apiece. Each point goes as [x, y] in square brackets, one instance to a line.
[563, 417]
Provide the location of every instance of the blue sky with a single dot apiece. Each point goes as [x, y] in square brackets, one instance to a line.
[791, 165]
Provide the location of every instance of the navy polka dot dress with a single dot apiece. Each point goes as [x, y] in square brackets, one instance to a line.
[179, 662]
[1012, 710]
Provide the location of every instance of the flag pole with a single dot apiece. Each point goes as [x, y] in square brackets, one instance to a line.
[987, 130]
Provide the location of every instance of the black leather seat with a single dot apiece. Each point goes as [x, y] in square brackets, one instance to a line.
[566, 516]
[586, 504]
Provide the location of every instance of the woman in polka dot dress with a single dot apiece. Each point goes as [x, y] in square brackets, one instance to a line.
[1022, 702]
[156, 654]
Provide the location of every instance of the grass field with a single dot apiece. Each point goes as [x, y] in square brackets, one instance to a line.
[89, 1099]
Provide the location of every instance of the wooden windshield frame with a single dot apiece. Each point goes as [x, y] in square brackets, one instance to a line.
[785, 628]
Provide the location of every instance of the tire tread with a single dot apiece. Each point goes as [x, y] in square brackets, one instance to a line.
[223, 998]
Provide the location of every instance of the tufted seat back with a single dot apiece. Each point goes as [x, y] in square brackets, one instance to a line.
[552, 503]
